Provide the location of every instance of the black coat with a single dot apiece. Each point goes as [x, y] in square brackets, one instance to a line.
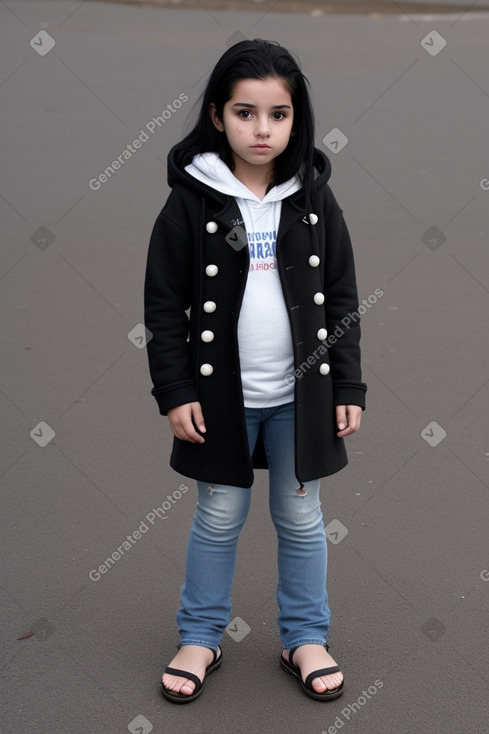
[326, 374]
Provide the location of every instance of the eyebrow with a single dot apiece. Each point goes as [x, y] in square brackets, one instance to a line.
[252, 106]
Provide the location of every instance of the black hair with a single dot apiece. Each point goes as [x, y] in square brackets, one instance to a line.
[256, 59]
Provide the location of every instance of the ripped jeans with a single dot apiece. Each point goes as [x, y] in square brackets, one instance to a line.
[304, 615]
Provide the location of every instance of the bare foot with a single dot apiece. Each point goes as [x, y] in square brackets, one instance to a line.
[315, 657]
[192, 658]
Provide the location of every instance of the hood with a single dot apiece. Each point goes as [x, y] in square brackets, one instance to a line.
[211, 170]
[207, 173]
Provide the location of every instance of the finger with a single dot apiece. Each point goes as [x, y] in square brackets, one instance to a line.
[198, 417]
[354, 423]
[341, 420]
[192, 435]
[354, 415]
[348, 419]
[346, 432]
[182, 426]
[187, 432]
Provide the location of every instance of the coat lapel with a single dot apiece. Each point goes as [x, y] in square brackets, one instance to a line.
[230, 214]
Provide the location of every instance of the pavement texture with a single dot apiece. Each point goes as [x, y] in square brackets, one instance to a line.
[317, 7]
[402, 105]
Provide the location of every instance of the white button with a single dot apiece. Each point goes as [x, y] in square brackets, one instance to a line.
[207, 336]
[324, 368]
[318, 299]
[211, 270]
[211, 227]
[209, 307]
[313, 218]
[206, 370]
[314, 261]
[322, 334]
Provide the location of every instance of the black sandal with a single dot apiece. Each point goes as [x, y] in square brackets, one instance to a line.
[306, 685]
[199, 685]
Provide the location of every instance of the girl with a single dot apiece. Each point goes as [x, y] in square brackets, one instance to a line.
[262, 373]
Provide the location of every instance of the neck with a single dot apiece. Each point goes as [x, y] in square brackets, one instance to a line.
[253, 177]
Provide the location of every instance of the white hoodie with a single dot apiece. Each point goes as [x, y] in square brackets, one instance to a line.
[264, 338]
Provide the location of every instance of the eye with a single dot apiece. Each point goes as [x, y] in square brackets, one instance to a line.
[244, 112]
[282, 115]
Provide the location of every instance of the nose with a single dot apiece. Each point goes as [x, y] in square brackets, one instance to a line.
[262, 127]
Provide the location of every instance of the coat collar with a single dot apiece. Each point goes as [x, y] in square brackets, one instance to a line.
[229, 215]
[292, 205]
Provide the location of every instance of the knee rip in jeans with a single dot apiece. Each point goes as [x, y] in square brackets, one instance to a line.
[211, 490]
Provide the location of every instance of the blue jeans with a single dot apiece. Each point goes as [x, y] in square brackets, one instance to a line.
[304, 615]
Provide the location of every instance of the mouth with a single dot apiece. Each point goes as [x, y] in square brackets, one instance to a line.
[261, 147]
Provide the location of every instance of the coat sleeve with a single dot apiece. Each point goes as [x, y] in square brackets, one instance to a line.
[167, 298]
[342, 316]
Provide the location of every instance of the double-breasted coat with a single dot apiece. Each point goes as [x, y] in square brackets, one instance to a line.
[194, 285]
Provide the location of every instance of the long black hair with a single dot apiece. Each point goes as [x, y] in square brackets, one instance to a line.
[256, 59]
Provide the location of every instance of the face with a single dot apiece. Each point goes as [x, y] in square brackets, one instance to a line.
[257, 120]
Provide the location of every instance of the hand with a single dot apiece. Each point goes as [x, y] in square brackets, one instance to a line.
[181, 423]
[348, 419]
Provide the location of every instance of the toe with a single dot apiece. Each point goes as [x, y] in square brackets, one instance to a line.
[319, 685]
[178, 685]
[187, 688]
[332, 681]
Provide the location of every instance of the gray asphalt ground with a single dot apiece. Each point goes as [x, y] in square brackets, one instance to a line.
[85, 453]
[319, 7]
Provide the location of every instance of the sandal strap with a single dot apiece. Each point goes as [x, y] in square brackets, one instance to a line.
[291, 654]
[216, 655]
[185, 674]
[319, 673]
